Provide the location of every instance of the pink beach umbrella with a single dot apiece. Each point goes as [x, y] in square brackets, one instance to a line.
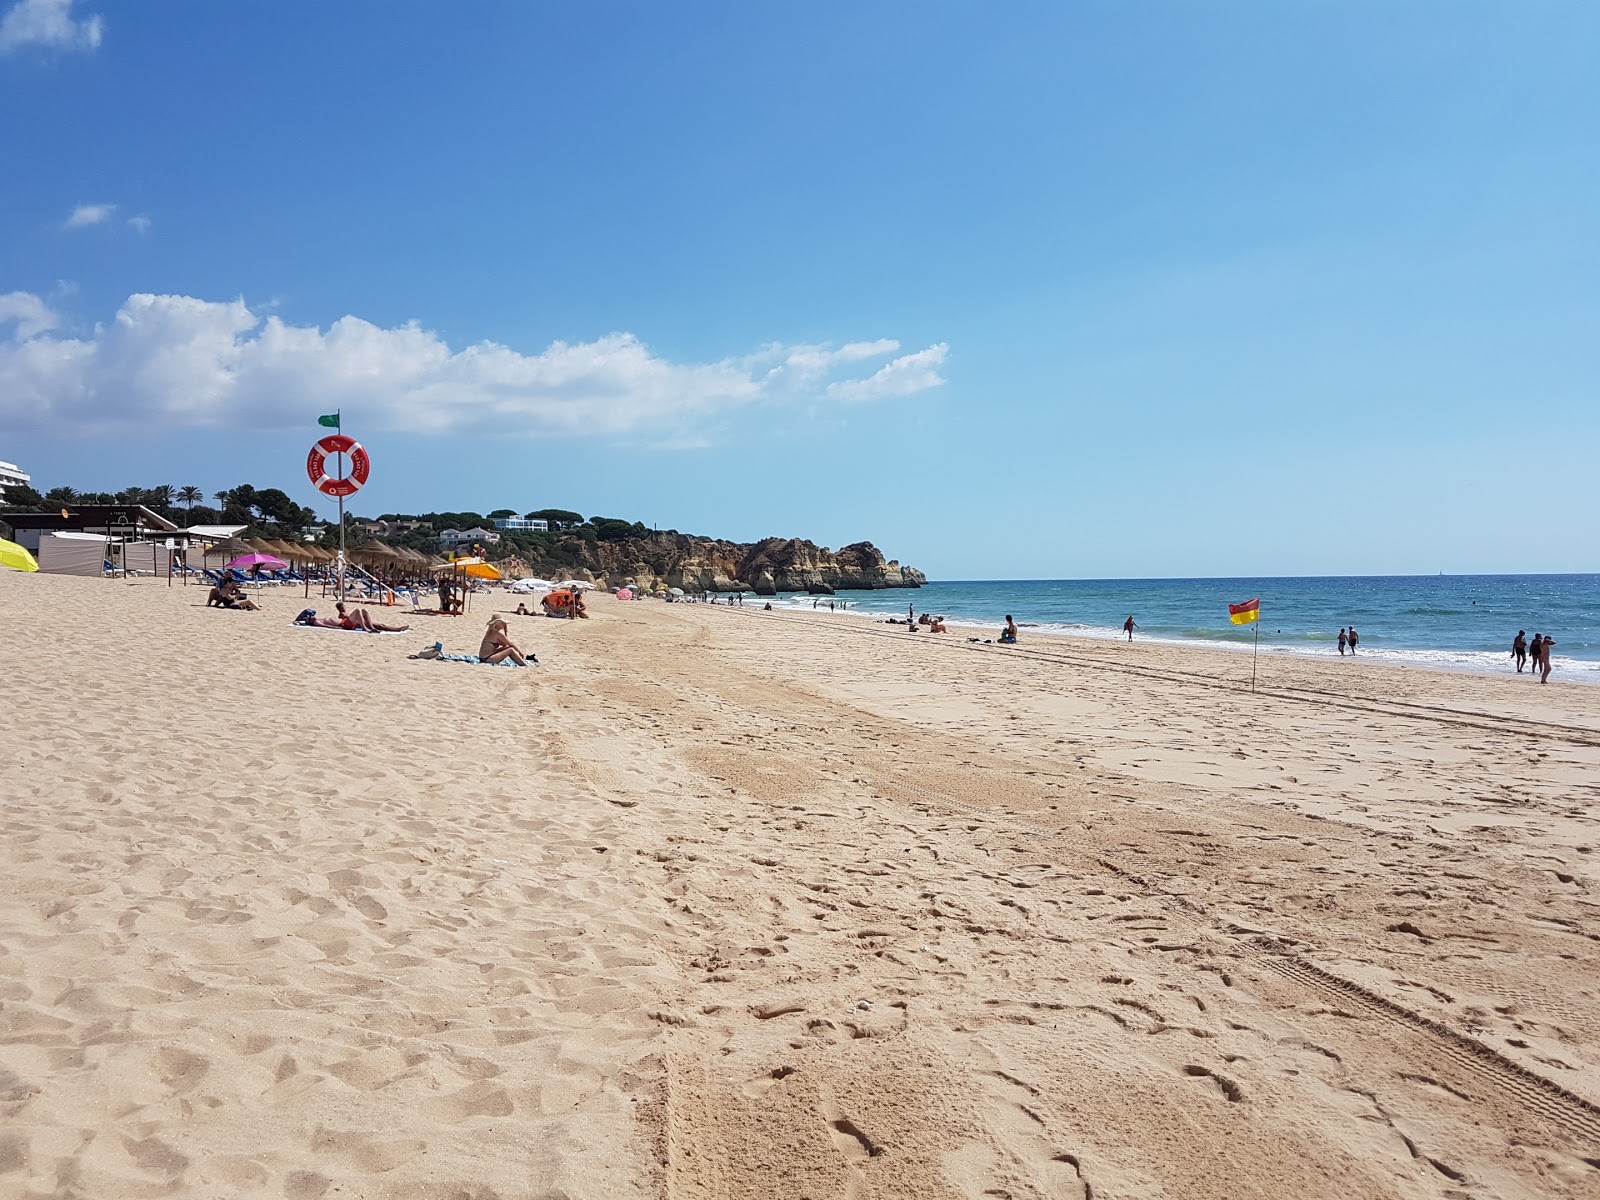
[245, 561]
[624, 594]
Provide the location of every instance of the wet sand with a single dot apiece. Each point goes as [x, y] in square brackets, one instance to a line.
[724, 903]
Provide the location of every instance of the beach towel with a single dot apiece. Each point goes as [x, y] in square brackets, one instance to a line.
[325, 629]
[436, 651]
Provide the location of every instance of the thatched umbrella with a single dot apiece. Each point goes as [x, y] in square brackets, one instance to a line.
[229, 548]
[288, 550]
[377, 554]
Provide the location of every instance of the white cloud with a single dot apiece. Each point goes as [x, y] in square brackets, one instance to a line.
[31, 314]
[177, 361]
[139, 224]
[904, 376]
[48, 23]
[88, 214]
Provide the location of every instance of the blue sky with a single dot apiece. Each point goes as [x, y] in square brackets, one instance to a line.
[1036, 290]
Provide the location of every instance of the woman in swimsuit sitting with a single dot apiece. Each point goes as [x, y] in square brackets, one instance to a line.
[497, 647]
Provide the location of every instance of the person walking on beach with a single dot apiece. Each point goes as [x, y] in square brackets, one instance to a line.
[1519, 649]
[1536, 651]
[1355, 639]
[1544, 660]
[1128, 627]
[1343, 641]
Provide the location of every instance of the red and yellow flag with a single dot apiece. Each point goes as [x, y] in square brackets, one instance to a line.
[1246, 613]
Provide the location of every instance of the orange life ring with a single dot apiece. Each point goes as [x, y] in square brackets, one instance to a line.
[317, 465]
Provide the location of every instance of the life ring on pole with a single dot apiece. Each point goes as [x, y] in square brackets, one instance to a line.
[317, 465]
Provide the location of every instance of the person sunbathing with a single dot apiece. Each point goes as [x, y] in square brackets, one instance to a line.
[937, 626]
[497, 647]
[360, 618]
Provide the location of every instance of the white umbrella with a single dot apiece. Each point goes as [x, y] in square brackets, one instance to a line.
[532, 585]
[674, 591]
[576, 583]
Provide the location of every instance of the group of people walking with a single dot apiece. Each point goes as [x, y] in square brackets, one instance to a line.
[1348, 639]
[1538, 650]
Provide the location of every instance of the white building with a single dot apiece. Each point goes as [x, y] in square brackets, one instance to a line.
[451, 538]
[12, 475]
[523, 523]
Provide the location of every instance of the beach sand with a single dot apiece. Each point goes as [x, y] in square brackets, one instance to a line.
[718, 903]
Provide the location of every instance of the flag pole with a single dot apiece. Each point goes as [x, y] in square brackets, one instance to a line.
[338, 419]
[1254, 658]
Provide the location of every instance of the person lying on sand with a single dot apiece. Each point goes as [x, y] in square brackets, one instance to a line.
[497, 646]
[360, 618]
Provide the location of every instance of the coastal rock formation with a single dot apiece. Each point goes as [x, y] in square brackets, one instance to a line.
[698, 564]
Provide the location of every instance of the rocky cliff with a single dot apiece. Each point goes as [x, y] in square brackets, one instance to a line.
[711, 565]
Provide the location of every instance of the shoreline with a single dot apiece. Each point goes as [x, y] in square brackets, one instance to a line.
[1582, 672]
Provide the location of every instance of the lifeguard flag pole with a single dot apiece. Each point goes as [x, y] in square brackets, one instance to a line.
[1249, 613]
[331, 421]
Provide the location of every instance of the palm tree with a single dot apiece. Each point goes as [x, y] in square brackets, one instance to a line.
[221, 498]
[189, 497]
[159, 496]
[62, 495]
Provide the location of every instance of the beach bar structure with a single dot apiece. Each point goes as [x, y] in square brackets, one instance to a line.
[81, 539]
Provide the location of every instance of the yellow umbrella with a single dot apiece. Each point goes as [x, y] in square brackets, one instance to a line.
[18, 559]
[474, 567]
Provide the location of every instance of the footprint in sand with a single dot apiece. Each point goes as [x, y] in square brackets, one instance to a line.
[847, 1136]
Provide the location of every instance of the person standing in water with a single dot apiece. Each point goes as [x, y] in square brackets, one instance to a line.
[1519, 649]
[1355, 639]
[1128, 627]
[1544, 660]
[1343, 641]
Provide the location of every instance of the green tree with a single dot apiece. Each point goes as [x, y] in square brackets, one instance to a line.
[189, 497]
[501, 513]
[62, 495]
[559, 518]
[21, 496]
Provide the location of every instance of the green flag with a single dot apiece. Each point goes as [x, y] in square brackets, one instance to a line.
[331, 420]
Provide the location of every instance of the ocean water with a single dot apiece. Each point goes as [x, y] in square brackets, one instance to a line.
[1450, 622]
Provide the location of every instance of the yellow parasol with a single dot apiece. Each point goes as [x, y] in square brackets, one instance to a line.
[15, 557]
[474, 567]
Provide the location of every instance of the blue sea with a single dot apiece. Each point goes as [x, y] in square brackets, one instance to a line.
[1448, 622]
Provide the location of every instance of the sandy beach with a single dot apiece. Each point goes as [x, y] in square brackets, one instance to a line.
[717, 903]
